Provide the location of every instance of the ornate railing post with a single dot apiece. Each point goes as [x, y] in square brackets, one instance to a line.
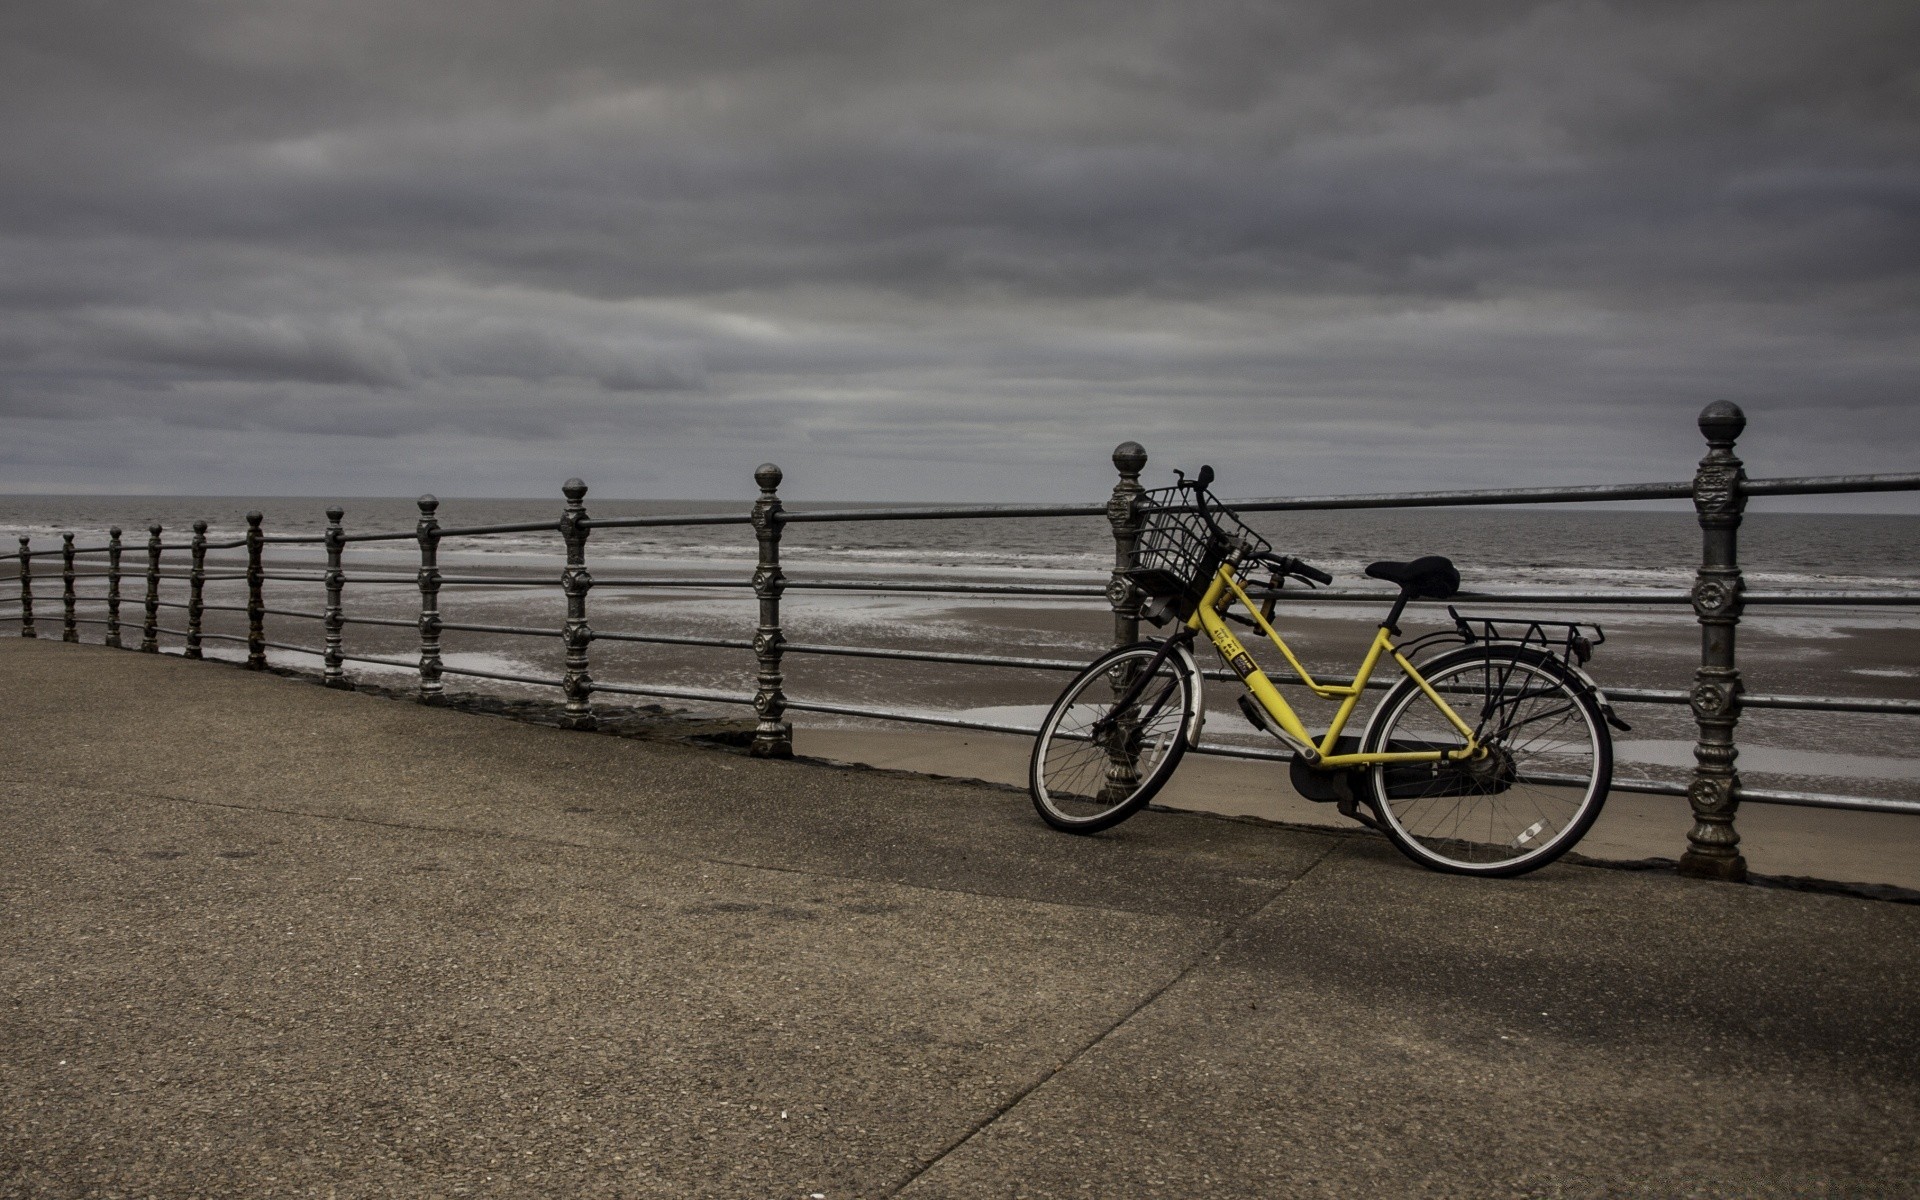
[335, 540]
[113, 587]
[26, 589]
[150, 630]
[575, 581]
[197, 585]
[1129, 458]
[773, 737]
[256, 595]
[427, 533]
[1719, 500]
[69, 630]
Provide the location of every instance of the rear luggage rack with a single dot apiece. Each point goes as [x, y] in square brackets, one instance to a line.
[1565, 639]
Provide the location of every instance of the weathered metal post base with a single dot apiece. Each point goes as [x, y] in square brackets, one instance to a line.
[1728, 868]
[775, 743]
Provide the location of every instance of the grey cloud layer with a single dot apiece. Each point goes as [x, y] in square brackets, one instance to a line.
[995, 236]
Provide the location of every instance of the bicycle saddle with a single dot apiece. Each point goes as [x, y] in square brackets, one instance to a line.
[1431, 577]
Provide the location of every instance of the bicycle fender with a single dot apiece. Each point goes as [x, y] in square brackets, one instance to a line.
[1197, 683]
[1599, 697]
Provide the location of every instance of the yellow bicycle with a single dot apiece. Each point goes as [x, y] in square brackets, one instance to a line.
[1491, 757]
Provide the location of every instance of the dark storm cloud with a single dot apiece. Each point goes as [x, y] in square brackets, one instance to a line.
[983, 241]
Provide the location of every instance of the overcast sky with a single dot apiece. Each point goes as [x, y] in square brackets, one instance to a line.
[949, 250]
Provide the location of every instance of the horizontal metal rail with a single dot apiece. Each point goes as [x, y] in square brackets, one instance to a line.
[652, 522]
[515, 527]
[932, 656]
[515, 630]
[1627, 597]
[1602, 493]
[317, 653]
[387, 622]
[398, 535]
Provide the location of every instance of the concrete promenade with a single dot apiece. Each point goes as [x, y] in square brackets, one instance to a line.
[258, 938]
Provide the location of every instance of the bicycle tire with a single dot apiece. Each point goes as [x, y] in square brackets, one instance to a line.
[1529, 800]
[1082, 781]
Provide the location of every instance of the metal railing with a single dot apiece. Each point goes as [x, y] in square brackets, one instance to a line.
[1719, 491]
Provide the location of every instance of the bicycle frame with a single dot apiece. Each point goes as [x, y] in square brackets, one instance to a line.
[1221, 595]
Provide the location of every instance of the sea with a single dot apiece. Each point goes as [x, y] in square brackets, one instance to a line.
[1859, 650]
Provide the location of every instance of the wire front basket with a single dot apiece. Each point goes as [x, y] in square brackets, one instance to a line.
[1178, 551]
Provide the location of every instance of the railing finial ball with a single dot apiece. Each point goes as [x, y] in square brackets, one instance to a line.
[1130, 458]
[114, 531]
[200, 526]
[254, 518]
[335, 513]
[768, 476]
[1722, 422]
[153, 529]
[428, 503]
[574, 489]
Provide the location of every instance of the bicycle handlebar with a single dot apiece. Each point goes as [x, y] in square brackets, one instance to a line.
[1293, 566]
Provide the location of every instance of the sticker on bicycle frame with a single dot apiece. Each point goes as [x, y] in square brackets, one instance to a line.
[1243, 664]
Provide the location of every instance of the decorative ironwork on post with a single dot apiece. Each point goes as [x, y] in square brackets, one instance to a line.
[1719, 500]
[335, 540]
[69, 630]
[197, 583]
[114, 557]
[150, 631]
[113, 587]
[1129, 458]
[427, 533]
[773, 737]
[26, 589]
[256, 597]
[576, 581]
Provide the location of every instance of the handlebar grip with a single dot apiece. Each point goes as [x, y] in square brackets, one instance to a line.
[1313, 573]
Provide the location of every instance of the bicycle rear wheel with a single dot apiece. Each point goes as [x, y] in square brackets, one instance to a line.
[1096, 763]
[1535, 793]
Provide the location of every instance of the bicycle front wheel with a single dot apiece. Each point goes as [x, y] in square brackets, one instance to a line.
[1535, 792]
[1097, 760]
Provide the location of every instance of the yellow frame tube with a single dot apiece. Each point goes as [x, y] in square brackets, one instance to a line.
[1221, 594]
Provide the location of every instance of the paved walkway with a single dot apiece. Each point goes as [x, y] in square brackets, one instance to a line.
[258, 938]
